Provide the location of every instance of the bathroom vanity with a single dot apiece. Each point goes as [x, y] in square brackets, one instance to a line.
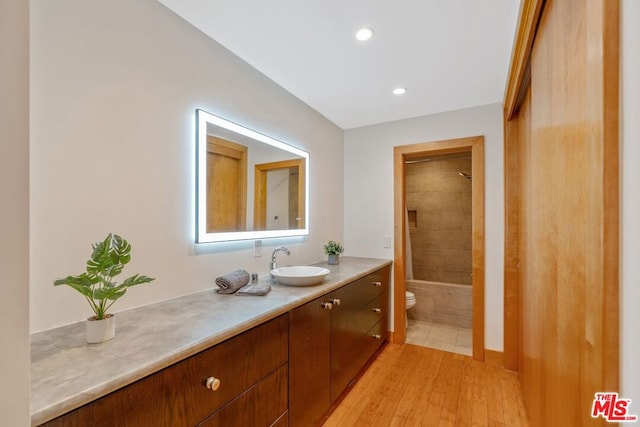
[331, 340]
[212, 360]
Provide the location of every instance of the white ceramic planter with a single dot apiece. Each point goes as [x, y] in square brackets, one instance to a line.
[101, 330]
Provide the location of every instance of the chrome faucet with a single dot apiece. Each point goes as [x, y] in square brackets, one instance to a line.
[274, 264]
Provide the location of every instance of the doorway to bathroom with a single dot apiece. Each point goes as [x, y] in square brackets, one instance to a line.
[439, 207]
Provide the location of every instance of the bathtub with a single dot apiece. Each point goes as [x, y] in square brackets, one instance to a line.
[443, 303]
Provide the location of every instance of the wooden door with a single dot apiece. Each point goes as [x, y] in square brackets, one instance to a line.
[344, 335]
[226, 186]
[564, 139]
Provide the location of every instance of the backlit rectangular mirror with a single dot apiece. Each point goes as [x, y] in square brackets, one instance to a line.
[249, 185]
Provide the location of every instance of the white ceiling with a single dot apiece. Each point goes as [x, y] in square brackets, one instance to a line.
[449, 54]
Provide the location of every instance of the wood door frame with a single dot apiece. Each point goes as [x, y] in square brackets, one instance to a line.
[223, 147]
[260, 191]
[475, 146]
[518, 82]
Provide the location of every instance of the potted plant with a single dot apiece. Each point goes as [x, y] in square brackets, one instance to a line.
[333, 249]
[97, 285]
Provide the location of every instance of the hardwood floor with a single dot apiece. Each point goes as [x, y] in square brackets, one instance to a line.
[408, 385]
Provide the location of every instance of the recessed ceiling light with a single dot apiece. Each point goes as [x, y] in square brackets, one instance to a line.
[400, 91]
[364, 33]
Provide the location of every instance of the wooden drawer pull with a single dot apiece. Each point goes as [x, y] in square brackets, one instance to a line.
[377, 284]
[213, 383]
[376, 310]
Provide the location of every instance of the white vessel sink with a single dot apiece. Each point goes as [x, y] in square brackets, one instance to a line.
[300, 275]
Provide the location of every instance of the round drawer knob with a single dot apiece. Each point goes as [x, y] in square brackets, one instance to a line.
[377, 337]
[377, 284]
[376, 310]
[335, 301]
[327, 305]
[213, 383]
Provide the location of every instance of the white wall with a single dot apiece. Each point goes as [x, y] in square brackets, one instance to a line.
[114, 88]
[368, 215]
[630, 206]
[14, 213]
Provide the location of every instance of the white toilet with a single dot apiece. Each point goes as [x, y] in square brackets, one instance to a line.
[410, 301]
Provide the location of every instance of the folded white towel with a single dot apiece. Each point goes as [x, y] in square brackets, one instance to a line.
[231, 282]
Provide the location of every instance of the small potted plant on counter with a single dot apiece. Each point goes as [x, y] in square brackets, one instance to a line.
[333, 249]
[97, 285]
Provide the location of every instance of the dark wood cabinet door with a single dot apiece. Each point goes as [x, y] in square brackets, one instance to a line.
[309, 367]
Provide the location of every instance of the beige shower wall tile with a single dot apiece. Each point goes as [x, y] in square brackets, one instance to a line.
[449, 276]
[452, 220]
[445, 201]
[455, 240]
[442, 304]
[456, 260]
[465, 302]
[429, 220]
[467, 224]
[433, 275]
[431, 239]
[445, 302]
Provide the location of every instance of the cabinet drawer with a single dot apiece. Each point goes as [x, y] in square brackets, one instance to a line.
[353, 317]
[371, 341]
[239, 363]
[350, 353]
[372, 285]
[177, 395]
[262, 405]
[374, 338]
[375, 311]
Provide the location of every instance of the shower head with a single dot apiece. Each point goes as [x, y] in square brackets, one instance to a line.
[464, 175]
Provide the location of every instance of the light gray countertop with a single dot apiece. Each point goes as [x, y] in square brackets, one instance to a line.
[67, 373]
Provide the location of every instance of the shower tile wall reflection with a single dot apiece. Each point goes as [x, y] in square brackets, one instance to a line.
[439, 204]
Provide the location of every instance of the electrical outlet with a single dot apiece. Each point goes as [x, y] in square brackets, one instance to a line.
[386, 242]
[257, 248]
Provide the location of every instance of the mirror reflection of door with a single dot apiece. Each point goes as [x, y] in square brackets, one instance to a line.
[226, 185]
[279, 195]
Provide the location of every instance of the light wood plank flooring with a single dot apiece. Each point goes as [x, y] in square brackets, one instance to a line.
[408, 385]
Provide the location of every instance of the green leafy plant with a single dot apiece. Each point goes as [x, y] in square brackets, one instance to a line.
[97, 285]
[333, 248]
